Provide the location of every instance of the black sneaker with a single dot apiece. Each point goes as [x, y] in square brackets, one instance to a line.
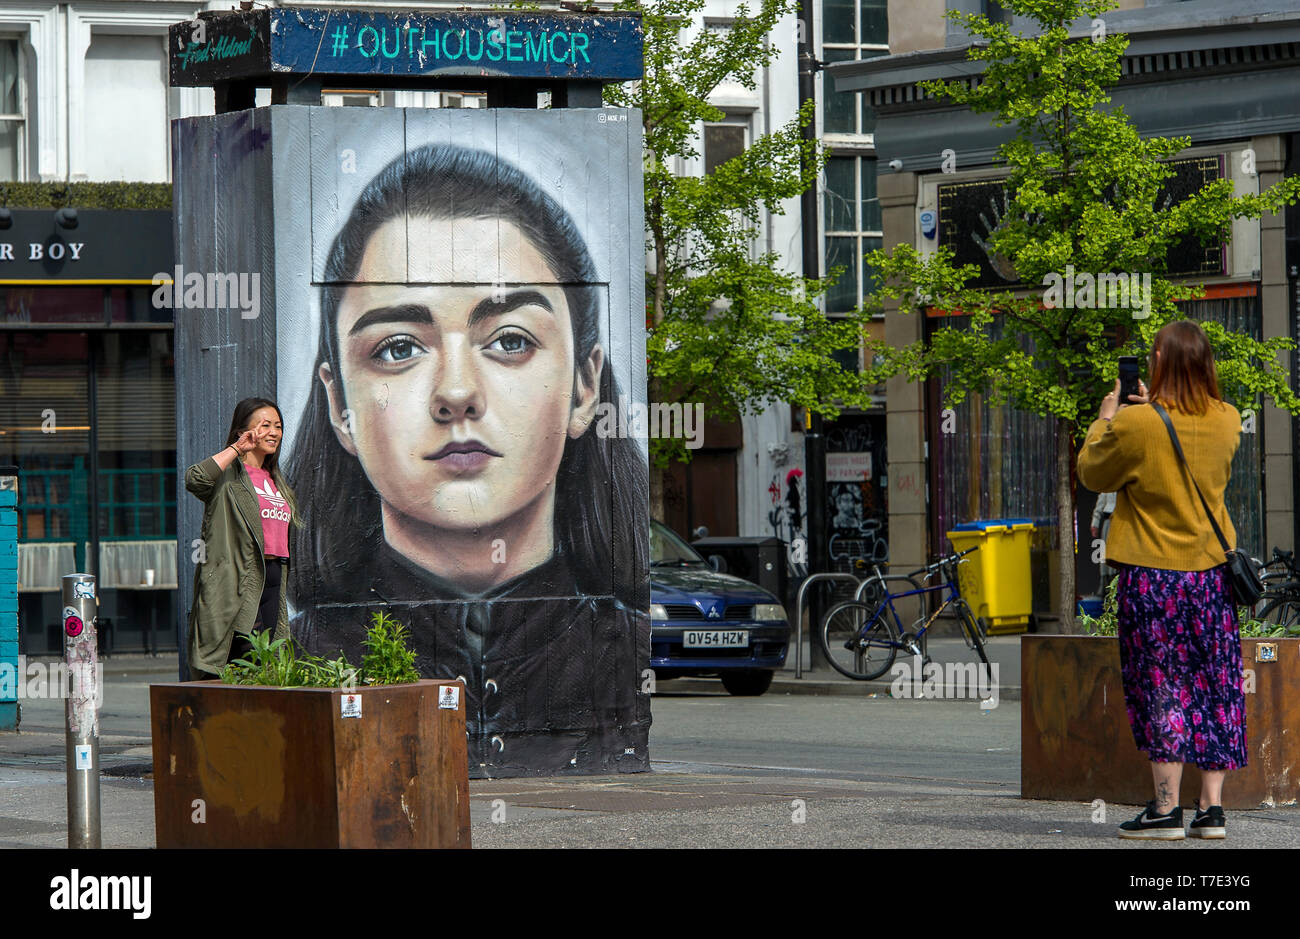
[1208, 824]
[1151, 825]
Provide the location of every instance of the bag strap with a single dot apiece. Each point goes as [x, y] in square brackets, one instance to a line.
[1178, 448]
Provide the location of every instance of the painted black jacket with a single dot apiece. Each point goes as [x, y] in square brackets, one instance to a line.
[553, 678]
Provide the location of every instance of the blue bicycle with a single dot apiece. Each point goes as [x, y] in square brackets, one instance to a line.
[861, 640]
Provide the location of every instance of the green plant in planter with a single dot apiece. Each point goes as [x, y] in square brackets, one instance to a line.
[1108, 623]
[276, 662]
[387, 660]
[1252, 628]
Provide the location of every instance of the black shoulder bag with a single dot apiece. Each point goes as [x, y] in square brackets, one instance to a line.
[1247, 588]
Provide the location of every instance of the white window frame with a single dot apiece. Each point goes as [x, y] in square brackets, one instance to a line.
[732, 118]
[39, 29]
[858, 154]
[20, 116]
[91, 17]
[858, 48]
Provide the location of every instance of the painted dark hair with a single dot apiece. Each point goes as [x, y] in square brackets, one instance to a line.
[244, 411]
[599, 534]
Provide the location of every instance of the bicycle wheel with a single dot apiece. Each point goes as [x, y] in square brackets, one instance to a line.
[970, 627]
[859, 640]
[1284, 611]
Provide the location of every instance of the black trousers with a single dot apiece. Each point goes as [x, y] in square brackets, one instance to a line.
[268, 609]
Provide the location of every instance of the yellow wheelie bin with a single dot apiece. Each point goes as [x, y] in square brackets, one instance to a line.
[995, 580]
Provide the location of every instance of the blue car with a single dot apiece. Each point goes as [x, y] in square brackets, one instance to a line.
[706, 623]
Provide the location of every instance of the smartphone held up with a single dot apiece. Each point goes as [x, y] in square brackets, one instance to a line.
[1129, 378]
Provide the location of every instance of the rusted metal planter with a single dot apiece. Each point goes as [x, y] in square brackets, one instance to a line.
[254, 767]
[1076, 744]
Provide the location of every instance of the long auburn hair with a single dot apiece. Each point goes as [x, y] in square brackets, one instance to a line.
[239, 423]
[1184, 374]
[602, 485]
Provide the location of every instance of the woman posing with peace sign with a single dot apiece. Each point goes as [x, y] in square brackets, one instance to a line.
[240, 583]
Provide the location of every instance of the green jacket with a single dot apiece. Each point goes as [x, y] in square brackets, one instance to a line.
[231, 571]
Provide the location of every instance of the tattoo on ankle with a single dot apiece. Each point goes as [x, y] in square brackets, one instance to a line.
[1164, 798]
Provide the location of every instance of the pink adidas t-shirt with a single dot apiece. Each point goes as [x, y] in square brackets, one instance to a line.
[275, 512]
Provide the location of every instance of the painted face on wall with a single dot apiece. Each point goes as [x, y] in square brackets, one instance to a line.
[460, 379]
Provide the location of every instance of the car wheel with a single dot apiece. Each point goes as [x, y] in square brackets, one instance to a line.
[748, 682]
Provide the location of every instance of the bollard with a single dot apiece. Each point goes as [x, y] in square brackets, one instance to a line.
[9, 598]
[81, 656]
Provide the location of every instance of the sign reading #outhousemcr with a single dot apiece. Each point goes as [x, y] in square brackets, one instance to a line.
[546, 44]
[456, 294]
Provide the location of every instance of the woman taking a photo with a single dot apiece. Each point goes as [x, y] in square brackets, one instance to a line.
[240, 584]
[1180, 650]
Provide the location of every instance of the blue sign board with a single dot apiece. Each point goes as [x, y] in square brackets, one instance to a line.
[278, 42]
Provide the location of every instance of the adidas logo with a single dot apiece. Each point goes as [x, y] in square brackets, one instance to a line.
[270, 495]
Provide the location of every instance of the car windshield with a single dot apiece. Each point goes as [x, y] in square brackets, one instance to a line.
[668, 550]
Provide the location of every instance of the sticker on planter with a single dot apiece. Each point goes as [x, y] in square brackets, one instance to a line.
[350, 705]
[449, 697]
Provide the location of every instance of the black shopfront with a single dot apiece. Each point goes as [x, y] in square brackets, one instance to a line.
[87, 413]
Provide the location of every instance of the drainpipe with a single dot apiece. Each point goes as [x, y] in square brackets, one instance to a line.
[814, 442]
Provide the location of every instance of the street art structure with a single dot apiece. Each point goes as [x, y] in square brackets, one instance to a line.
[448, 298]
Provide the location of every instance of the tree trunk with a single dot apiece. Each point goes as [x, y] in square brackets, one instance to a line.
[1065, 525]
[656, 492]
[656, 473]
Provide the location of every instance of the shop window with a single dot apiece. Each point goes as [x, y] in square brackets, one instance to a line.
[125, 444]
[37, 304]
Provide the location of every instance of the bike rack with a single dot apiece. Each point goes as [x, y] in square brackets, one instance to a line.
[798, 612]
[884, 578]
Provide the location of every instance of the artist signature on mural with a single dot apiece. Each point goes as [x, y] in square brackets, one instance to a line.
[225, 47]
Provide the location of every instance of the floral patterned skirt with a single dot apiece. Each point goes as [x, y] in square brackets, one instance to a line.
[1180, 656]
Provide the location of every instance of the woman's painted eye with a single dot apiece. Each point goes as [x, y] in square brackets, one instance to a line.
[397, 349]
[512, 343]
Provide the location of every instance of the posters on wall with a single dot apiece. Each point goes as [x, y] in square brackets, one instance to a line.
[857, 516]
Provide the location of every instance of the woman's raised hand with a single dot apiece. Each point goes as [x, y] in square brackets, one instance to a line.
[247, 442]
[1111, 404]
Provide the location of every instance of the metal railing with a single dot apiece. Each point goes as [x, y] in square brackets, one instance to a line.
[798, 612]
[863, 584]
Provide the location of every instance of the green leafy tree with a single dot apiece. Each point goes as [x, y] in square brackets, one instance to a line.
[728, 326]
[1084, 190]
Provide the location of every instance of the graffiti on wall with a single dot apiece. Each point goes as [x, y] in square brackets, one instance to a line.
[446, 456]
[857, 516]
[785, 515]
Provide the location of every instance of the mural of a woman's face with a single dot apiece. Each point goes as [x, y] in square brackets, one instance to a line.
[461, 394]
